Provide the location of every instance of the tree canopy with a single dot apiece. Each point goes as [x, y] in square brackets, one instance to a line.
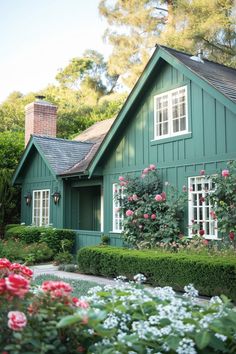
[135, 26]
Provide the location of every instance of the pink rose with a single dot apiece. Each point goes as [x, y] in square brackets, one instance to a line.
[153, 216]
[158, 198]
[146, 216]
[129, 212]
[17, 320]
[145, 171]
[135, 197]
[225, 173]
[130, 198]
[56, 288]
[163, 195]
[213, 214]
[202, 172]
[5, 265]
[121, 179]
[152, 167]
[80, 303]
[17, 285]
[205, 242]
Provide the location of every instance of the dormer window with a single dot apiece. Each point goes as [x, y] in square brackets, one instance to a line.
[170, 113]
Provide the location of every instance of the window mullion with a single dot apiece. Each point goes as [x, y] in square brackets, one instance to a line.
[41, 208]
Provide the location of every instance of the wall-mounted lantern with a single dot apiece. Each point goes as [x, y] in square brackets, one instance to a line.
[56, 197]
[28, 198]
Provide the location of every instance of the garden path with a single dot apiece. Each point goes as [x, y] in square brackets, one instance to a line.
[52, 269]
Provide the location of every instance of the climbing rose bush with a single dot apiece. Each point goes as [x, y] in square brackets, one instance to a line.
[223, 201]
[151, 214]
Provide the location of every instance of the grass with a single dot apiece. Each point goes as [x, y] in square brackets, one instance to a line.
[80, 287]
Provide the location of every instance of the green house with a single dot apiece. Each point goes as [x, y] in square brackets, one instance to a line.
[180, 116]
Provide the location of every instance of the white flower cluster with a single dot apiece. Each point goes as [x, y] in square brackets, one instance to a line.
[190, 291]
[186, 346]
[140, 278]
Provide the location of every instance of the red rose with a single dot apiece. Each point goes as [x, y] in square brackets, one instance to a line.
[201, 232]
[2, 286]
[17, 320]
[27, 272]
[4, 264]
[231, 235]
[17, 285]
[56, 288]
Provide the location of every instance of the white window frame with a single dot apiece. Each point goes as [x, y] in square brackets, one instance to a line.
[117, 216]
[40, 216]
[204, 218]
[170, 119]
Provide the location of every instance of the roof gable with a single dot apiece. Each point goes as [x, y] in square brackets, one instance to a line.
[219, 86]
[59, 155]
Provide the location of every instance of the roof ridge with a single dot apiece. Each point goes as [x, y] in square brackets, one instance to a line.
[190, 54]
[61, 139]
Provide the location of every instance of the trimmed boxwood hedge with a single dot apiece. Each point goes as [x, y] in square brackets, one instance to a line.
[52, 237]
[211, 275]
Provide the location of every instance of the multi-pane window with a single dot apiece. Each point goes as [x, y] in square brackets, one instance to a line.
[118, 217]
[170, 112]
[200, 210]
[41, 204]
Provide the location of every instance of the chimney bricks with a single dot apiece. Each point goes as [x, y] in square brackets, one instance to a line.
[40, 119]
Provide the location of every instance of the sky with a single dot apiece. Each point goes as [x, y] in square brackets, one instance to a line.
[38, 37]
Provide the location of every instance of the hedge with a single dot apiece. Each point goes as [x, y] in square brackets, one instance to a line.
[52, 237]
[210, 275]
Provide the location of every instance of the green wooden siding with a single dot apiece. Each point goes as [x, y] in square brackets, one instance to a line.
[37, 176]
[208, 145]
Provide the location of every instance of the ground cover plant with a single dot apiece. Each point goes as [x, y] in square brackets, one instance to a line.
[152, 212]
[123, 318]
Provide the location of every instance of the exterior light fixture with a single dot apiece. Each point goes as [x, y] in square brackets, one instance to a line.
[28, 198]
[56, 197]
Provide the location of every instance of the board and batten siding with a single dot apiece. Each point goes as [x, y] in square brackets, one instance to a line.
[37, 176]
[208, 145]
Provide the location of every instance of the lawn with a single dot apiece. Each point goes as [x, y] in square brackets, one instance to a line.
[80, 287]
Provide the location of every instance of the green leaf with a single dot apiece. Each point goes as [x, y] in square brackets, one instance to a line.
[69, 320]
[202, 339]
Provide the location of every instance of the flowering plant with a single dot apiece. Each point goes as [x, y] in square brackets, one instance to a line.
[223, 200]
[134, 319]
[150, 213]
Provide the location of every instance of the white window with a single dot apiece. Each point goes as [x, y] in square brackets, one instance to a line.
[200, 210]
[41, 207]
[118, 217]
[170, 113]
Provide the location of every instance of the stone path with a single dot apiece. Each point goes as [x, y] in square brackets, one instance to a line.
[51, 269]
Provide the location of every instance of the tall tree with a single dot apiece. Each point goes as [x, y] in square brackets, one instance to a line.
[135, 26]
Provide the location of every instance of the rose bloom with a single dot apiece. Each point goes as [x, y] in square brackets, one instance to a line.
[56, 288]
[80, 303]
[4, 265]
[146, 216]
[17, 285]
[17, 320]
[213, 214]
[145, 171]
[26, 271]
[121, 179]
[152, 167]
[129, 212]
[202, 172]
[158, 198]
[225, 173]
[231, 235]
[205, 242]
[153, 216]
[163, 195]
[135, 197]
[201, 232]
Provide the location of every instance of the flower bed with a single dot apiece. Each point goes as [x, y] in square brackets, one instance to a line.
[211, 275]
[123, 318]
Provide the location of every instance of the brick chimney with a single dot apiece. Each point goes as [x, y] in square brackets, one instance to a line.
[40, 118]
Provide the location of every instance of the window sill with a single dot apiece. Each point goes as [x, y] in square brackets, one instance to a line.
[171, 138]
[115, 232]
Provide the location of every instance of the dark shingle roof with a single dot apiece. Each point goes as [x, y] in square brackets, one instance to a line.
[62, 154]
[222, 77]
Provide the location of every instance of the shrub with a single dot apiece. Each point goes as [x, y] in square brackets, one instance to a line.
[211, 275]
[150, 213]
[134, 319]
[16, 250]
[63, 258]
[58, 240]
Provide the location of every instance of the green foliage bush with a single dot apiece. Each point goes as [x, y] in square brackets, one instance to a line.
[16, 250]
[58, 240]
[63, 258]
[210, 275]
